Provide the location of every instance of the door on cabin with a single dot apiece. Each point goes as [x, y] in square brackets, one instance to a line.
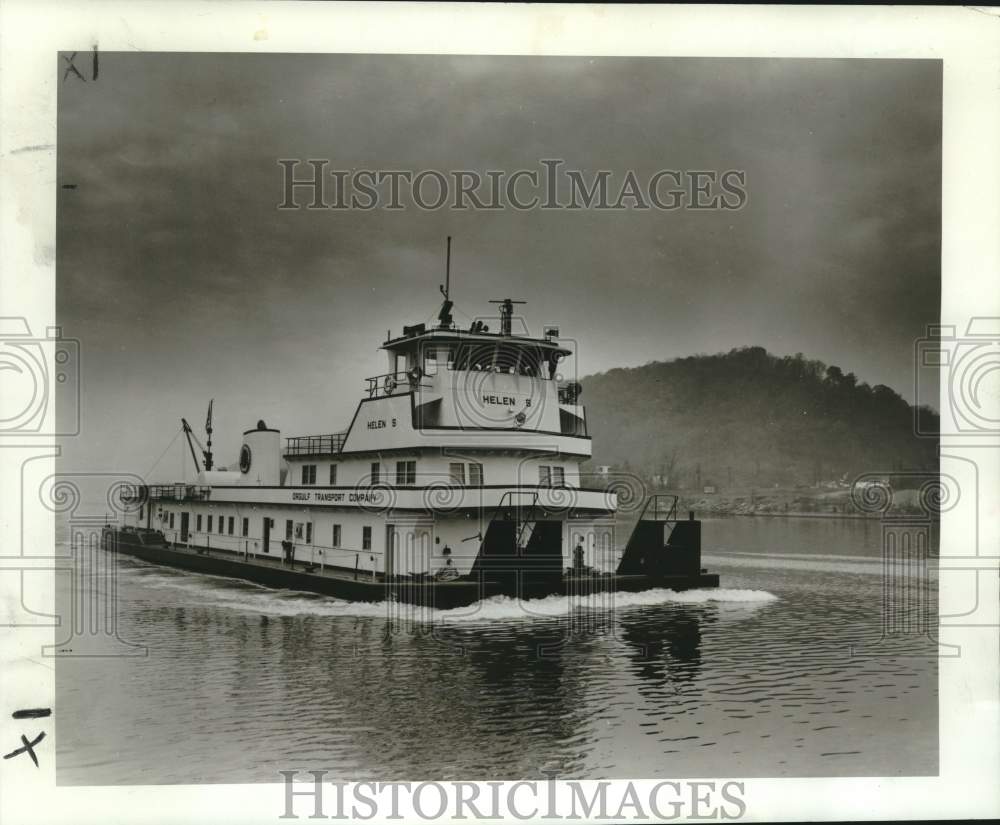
[266, 536]
[184, 527]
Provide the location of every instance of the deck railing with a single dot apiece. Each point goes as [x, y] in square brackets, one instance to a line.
[139, 493]
[315, 444]
[664, 508]
[382, 386]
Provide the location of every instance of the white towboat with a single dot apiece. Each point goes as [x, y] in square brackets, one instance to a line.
[457, 478]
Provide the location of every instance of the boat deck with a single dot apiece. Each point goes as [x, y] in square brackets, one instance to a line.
[361, 586]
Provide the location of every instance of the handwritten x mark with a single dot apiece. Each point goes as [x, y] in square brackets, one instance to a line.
[27, 747]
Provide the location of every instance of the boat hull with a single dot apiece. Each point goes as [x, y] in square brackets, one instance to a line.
[361, 587]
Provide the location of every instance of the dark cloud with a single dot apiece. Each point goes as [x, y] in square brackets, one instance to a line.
[184, 281]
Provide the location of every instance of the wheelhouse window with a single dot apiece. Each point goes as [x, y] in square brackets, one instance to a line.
[376, 471]
[558, 477]
[523, 359]
[475, 475]
[456, 470]
[430, 366]
[406, 473]
[366, 538]
[544, 475]
[308, 473]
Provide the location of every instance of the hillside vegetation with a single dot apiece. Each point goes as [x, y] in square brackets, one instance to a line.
[748, 418]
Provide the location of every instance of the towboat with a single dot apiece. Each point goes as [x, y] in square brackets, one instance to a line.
[458, 478]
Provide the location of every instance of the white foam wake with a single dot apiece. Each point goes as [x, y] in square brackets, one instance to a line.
[554, 607]
[199, 591]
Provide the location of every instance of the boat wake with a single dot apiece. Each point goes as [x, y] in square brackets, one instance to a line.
[555, 607]
[220, 592]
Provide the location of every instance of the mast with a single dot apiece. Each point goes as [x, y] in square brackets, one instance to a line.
[444, 316]
[208, 430]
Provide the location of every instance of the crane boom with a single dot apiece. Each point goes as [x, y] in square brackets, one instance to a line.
[192, 439]
[189, 433]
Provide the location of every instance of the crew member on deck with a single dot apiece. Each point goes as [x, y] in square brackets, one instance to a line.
[289, 550]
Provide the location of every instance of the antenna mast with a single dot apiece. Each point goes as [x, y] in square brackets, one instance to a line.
[444, 316]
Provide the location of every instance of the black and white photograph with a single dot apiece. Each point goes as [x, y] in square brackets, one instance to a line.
[531, 435]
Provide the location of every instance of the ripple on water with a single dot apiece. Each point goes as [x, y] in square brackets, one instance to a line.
[696, 683]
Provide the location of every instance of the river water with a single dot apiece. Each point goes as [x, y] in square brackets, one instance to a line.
[785, 671]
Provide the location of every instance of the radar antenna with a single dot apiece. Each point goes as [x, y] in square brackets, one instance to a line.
[506, 313]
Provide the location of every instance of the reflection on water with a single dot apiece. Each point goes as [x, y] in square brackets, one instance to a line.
[664, 652]
[756, 679]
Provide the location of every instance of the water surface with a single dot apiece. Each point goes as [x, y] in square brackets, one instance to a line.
[756, 679]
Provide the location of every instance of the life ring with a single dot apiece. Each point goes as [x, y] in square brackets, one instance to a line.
[389, 384]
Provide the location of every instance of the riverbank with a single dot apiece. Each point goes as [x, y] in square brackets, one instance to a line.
[825, 504]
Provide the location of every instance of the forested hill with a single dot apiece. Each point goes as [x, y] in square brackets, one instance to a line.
[748, 417]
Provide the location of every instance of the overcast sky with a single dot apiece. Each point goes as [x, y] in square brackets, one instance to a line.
[183, 280]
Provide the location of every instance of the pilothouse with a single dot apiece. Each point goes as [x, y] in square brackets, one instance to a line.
[458, 478]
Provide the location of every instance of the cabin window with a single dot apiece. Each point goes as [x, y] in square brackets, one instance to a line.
[508, 359]
[210, 524]
[171, 521]
[482, 358]
[336, 535]
[406, 473]
[430, 361]
[308, 473]
[366, 538]
[299, 530]
[142, 509]
[457, 471]
[376, 467]
[198, 523]
[558, 477]
[333, 475]
[544, 475]
[288, 529]
[246, 527]
[231, 525]
[475, 475]
[222, 525]
[309, 532]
